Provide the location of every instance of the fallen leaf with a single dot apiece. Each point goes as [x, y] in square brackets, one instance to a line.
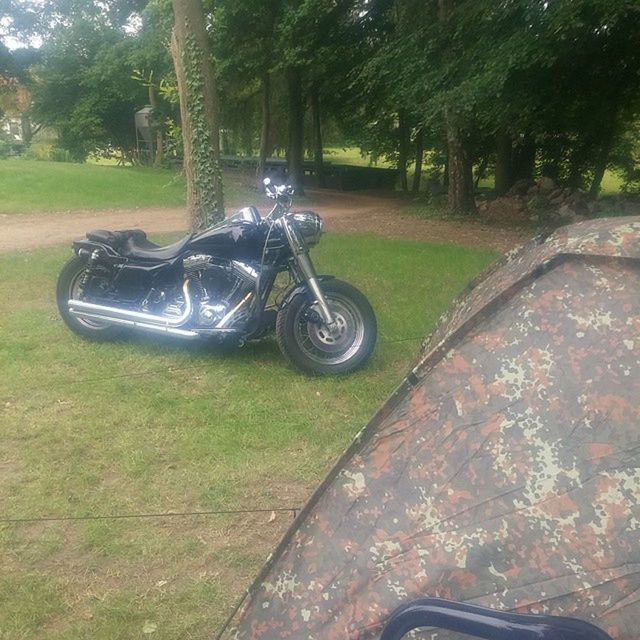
[149, 627]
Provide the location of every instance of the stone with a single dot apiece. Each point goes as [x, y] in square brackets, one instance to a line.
[546, 184]
[556, 201]
[520, 188]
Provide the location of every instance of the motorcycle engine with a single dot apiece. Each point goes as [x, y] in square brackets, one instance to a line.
[218, 287]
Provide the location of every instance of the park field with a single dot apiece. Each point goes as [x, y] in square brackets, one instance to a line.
[100, 432]
[34, 186]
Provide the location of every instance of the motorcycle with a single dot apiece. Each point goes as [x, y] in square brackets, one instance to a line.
[219, 285]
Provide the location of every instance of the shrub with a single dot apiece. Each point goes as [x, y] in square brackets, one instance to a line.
[47, 151]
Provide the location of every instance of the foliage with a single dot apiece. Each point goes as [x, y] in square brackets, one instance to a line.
[8, 146]
[530, 86]
[85, 92]
[565, 73]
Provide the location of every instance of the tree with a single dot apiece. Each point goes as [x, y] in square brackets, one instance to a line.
[316, 39]
[83, 89]
[16, 88]
[245, 45]
[80, 79]
[195, 72]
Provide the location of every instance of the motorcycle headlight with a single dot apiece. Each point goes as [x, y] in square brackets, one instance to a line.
[309, 224]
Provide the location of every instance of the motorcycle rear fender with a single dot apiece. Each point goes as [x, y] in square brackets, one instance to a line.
[85, 248]
[127, 272]
[301, 288]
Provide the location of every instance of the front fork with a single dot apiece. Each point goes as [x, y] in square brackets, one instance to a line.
[307, 271]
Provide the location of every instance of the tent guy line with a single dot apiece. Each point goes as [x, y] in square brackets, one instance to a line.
[132, 516]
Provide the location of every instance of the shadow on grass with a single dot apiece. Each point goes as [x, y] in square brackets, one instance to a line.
[264, 348]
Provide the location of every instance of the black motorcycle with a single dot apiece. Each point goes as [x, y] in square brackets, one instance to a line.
[221, 285]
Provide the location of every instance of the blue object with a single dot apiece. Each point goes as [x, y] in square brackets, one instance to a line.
[481, 622]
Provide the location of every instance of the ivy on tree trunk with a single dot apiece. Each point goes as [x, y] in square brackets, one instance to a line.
[199, 113]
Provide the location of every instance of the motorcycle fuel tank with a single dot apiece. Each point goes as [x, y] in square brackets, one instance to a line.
[233, 239]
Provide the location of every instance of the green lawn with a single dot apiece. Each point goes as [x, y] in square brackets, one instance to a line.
[143, 426]
[611, 183]
[353, 155]
[32, 186]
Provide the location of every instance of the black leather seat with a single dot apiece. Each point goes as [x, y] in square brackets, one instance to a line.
[133, 243]
[146, 250]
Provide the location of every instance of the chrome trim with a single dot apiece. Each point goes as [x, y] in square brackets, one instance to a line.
[301, 256]
[247, 270]
[142, 326]
[101, 312]
[229, 316]
[309, 225]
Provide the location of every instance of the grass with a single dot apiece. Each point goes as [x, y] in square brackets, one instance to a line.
[144, 426]
[353, 155]
[612, 182]
[32, 186]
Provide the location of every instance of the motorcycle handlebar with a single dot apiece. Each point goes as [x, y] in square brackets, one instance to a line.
[277, 191]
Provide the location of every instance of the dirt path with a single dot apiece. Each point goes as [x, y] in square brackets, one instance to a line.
[344, 212]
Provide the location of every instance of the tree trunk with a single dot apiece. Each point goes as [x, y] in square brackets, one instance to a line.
[577, 166]
[461, 191]
[461, 197]
[199, 113]
[404, 135]
[318, 149]
[602, 161]
[157, 150]
[504, 158]
[480, 172]
[265, 134]
[417, 176]
[523, 162]
[295, 150]
[26, 129]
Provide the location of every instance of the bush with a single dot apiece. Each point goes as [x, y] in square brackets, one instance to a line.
[47, 151]
[9, 148]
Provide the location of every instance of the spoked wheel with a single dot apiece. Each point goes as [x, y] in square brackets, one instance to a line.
[70, 287]
[319, 350]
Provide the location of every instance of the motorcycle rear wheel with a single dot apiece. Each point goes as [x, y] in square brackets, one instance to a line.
[69, 287]
[308, 344]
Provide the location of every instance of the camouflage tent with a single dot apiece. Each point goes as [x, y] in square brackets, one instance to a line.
[505, 470]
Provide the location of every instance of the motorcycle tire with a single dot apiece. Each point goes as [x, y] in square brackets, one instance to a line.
[68, 287]
[307, 343]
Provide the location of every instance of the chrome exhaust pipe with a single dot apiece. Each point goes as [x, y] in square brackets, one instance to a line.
[142, 326]
[147, 321]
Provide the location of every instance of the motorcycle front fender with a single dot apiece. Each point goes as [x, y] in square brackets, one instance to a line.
[301, 288]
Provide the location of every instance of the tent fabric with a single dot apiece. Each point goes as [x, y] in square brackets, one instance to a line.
[504, 471]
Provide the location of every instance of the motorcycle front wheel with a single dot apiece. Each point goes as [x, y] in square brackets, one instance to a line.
[309, 345]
